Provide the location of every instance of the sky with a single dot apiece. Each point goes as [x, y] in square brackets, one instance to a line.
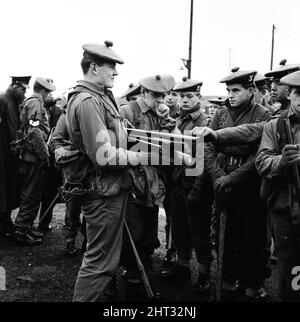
[45, 38]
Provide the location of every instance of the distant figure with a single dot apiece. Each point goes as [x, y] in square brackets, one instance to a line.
[34, 159]
[10, 103]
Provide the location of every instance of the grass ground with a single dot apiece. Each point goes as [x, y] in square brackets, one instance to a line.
[45, 274]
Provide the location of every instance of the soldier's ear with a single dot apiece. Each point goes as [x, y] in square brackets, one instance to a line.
[251, 90]
[93, 68]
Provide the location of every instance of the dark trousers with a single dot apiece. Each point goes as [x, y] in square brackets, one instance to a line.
[174, 203]
[199, 213]
[32, 182]
[245, 241]
[6, 224]
[104, 223]
[72, 219]
[52, 182]
[287, 239]
[143, 225]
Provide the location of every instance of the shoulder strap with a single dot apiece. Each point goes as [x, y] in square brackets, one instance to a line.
[281, 130]
[79, 99]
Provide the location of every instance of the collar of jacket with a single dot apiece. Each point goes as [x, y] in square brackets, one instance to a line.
[285, 106]
[293, 117]
[244, 107]
[38, 97]
[98, 89]
[192, 113]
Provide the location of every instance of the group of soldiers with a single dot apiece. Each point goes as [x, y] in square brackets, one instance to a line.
[251, 158]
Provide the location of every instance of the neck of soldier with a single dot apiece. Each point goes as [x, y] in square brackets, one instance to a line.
[244, 105]
[92, 79]
[174, 110]
[296, 112]
[39, 95]
[284, 103]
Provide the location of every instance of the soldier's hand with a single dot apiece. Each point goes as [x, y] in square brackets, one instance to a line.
[222, 183]
[162, 111]
[290, 154]
[127, 124]
[208, 134]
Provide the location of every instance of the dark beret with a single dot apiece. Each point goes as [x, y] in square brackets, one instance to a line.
[292, 79]
[283, 69]
[46, 83]
[188, 85]
[158, 83]
[22, 80]
[218, 101]
[132, 90]
[240, 77]
[103, 52]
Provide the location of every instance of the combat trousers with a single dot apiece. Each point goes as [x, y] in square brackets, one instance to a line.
[104, 223]
[181, 229]
[32, 183]
[173, 203]
[244, 246]
[52, 182]
[143, 225]
[6, 224]
[72, 219]
[199, 213]
[287, 239]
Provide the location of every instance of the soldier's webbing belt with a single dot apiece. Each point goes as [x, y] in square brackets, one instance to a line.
[71, 190]
[233, 163]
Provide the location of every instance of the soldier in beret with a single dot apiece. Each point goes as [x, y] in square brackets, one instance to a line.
[148, 113]
[132, 93]
[171, 99]
[236, 184]
[214, 104]
[278, 90]
[261, 94]
[173, 197]
[10, 103]
[191, 229]
[95, 127]
[276, 158]
[35, 130]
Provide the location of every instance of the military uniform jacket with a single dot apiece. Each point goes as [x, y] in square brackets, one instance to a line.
[145, 119]
[217, 157]
[96, 129]
[281, 196]
[34, 110]
[36, 150]
[187, 121]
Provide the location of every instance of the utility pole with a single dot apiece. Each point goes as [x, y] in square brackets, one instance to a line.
[188, 62]
[229, 60]
[272, 48]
